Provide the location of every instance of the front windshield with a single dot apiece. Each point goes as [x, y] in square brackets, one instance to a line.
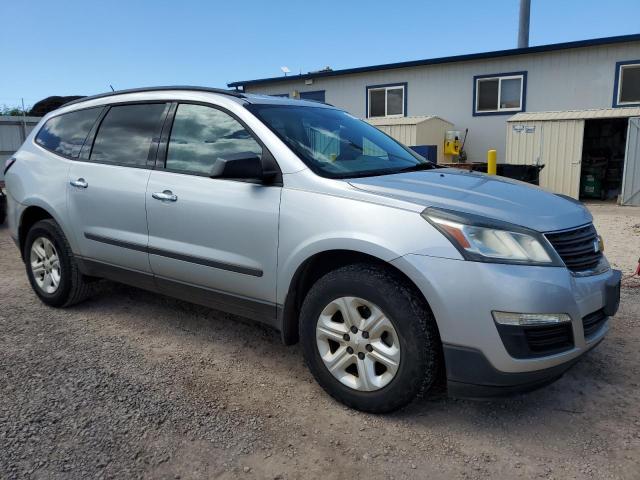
[335, 144]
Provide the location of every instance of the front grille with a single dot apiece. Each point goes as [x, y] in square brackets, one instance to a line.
[549, 339]
[577, 247]
[593, 322]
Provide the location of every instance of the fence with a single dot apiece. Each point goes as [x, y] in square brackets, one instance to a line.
[13, 131]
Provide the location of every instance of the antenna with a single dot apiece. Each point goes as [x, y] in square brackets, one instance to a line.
[285, 70]
[111, 86]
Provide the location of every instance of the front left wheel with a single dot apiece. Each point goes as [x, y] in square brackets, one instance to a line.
[369, 338]
[51, 267]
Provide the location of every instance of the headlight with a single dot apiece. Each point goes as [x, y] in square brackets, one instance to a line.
[486, 240]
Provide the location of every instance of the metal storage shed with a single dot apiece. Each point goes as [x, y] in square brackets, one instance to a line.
[556, 140]
[416, 131]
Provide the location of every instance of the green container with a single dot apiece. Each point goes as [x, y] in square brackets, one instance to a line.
[591, 183]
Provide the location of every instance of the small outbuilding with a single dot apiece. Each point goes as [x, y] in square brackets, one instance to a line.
[424, 134]
[586, 153]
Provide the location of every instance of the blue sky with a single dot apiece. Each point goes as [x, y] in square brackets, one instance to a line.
[80, 47]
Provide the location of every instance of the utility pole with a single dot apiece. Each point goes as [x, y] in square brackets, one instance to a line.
[24, 121]
[523, 26]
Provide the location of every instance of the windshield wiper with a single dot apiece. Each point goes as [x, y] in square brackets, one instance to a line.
[418, 166]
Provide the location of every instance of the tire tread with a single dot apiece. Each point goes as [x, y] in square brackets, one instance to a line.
[391, 283]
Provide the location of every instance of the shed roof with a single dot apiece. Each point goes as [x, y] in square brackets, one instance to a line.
[435, 61]
[576, 114]
[404, 120]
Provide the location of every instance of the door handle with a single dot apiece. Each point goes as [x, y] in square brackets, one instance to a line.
[79, 183]
[166, 196]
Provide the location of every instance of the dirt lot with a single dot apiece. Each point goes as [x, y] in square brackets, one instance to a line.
[131, 384]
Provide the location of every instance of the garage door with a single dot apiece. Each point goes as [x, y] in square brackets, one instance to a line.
[631, 177]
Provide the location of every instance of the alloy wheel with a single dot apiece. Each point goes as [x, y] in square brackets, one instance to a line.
[358, 343]
[45, 265]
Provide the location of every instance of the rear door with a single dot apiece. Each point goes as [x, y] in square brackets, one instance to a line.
[219, 235]
[107, 186]
[631, 175]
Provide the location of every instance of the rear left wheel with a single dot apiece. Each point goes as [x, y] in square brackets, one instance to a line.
[51, 267]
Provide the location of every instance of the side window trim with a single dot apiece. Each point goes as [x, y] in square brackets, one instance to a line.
[161, 161]
[85, 153]
[163, 145]
[153, 148]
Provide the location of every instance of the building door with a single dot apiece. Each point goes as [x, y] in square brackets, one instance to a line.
[631, 176]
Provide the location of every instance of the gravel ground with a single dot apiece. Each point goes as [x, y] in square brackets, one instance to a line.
[131, 384]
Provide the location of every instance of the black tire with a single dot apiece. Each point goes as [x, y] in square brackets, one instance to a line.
[73, 287]
[421, 349]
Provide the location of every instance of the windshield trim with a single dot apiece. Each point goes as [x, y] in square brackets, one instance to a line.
[254, 107]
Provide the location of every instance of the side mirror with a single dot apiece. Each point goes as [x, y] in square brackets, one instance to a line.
[243, 165]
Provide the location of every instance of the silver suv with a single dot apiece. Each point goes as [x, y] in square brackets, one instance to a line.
[389, 270]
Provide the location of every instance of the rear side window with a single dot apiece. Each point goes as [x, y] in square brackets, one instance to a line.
[201, 135]
[65, 134]
[126, 134]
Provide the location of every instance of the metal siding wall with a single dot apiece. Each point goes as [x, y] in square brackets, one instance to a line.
[564, 80]
[10, 137]
[432, 132]
[523, 148]
[562, 156]
[631, 180]
[557, 145]
[405, 134]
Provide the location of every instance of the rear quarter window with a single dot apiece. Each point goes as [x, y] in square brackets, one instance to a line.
[65, 134]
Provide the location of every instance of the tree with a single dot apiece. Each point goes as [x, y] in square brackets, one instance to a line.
[12, 111]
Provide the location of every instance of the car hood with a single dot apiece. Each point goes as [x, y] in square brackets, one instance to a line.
[480, 194]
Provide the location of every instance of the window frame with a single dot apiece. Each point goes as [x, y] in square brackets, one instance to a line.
[165, 136]
[87, 139]
[87, 149]
[500, 77]
[386, 87]
[617, 84]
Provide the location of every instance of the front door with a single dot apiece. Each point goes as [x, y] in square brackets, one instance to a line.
[107, 191]
[213, 241]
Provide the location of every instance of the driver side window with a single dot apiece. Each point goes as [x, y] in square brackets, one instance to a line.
[200, 135]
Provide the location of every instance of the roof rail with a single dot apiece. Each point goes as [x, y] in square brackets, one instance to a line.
[221, 91]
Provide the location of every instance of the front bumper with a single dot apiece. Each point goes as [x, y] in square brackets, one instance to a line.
[463, 294]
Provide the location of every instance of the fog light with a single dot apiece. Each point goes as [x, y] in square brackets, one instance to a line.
[507, 318]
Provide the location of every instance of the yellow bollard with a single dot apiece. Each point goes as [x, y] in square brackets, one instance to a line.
[492, 162]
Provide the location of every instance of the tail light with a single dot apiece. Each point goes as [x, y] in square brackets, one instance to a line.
[8, 162]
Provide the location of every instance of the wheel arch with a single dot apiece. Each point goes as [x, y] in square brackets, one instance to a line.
[29, 217]
[312, 269]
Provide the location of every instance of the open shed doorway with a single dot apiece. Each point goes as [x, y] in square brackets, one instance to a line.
[603, 158]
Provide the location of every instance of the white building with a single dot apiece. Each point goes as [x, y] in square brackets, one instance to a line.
[479, 91]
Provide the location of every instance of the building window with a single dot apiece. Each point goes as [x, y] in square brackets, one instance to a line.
[499, 93]
[317, 96]
[387, 100]
[627, 84]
